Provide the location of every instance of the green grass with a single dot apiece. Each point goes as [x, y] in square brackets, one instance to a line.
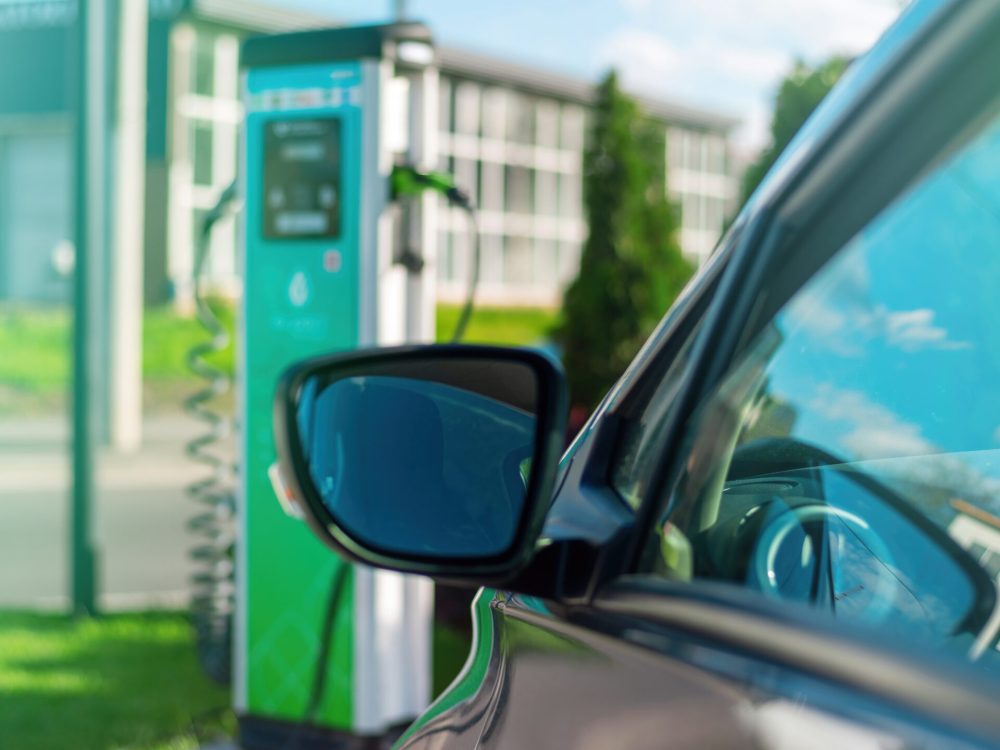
[36, 356]
[121, 681]
[498, 325]
[167, 338]
[125, 681]
[35, 346]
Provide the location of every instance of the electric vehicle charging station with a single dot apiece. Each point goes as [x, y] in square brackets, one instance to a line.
[330, 262]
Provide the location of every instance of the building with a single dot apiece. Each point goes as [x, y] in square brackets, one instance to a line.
[512, 134]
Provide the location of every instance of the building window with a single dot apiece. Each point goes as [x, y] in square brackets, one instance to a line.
[518, 261]
[446, 106]
[446, 257]
[203, 69]
[716, 154]
[520, 118]
[675, 151]
[548, 124]
[464, 171]
[546, 193]
[494, 108]
[201, 153]
[570, 195]
[467, 108]
[546, 263]
[519, 184]
[492, 186]
[571, 134]
[491, 259]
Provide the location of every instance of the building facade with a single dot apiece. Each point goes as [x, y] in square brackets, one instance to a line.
[512, 135]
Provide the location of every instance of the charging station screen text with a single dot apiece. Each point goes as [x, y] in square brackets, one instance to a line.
[302, 178]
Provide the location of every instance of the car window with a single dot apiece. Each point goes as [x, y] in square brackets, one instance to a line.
[849, 460]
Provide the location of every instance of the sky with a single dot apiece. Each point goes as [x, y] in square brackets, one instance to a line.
[727, 55]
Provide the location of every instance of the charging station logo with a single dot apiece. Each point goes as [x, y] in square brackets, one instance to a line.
[298, 289]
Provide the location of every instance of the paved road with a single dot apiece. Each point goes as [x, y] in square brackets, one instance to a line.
[140, 515]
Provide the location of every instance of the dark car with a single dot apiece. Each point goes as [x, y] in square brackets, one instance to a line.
[781, 528]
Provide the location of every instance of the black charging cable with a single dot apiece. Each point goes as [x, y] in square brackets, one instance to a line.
[408, 181]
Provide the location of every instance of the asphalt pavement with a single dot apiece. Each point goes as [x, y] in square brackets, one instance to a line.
[140, 515]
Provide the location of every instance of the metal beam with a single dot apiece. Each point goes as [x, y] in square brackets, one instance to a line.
[89, 187]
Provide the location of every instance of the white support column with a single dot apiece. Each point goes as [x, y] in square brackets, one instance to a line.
[126, 303]
[421, 288]
[393, 613]
[225, 135]
[180, 179]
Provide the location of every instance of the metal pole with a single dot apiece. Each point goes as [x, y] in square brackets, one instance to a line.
[88, 118]
[399, 11]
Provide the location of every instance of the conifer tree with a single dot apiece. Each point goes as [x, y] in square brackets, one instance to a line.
[631, 267]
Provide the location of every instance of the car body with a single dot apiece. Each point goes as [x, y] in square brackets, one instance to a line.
[776, 529]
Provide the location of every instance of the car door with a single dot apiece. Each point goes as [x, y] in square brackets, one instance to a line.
[784, 514]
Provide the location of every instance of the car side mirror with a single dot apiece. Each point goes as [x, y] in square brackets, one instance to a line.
[431, 459]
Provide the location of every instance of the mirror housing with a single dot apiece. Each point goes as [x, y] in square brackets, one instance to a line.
[435, 460]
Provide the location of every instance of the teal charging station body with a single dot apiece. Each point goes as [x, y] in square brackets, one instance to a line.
[328, 113]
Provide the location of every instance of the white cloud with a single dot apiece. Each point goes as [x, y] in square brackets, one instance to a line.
[642, 57]
[636, 6]
[731, 54]
[837, 313]
[914, 330]
[875, 431]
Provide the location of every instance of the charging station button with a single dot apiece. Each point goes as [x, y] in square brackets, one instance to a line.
[332, 261]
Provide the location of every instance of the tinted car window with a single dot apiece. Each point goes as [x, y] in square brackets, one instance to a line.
[641, 443]
[849, 461]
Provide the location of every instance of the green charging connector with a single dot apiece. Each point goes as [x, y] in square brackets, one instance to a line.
[408, 181]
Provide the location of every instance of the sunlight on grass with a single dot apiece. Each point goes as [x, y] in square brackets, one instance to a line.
[36, 346]
[515, 326]
[122, 681]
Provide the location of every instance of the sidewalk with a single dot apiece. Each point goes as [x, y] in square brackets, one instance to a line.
[140, 513]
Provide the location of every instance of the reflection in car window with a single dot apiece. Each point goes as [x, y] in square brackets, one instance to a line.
[641, 445]
[850, 459]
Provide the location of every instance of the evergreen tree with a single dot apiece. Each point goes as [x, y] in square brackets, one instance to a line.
[631, 267]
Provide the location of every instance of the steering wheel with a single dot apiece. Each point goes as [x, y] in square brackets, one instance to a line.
[855, 553]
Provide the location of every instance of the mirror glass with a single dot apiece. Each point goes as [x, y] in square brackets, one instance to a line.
[431, 459]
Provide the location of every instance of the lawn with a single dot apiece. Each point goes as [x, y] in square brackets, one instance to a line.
[125, 681]
[35, 346]
[517, 326]
[121, 681]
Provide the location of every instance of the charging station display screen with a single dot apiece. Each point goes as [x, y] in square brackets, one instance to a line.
[302, 178]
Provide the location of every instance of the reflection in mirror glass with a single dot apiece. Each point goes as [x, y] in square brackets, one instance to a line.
[417, 467]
